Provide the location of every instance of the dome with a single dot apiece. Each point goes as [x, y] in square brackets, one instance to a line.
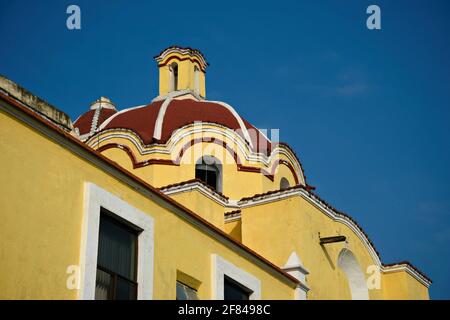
[100, 110]
[157, 121]
[181, 102]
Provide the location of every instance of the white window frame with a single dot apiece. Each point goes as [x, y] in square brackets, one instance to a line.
[96, 198]
[222, 268]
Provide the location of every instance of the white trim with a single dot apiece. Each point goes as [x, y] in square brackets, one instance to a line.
[178, 94]
[195, 185]
[96, 198]
[233, 218]
[94, 121]
[406, 268]
[328, 212]
[237, 117]
[222, 268]
[295, 268]
[162, 111]
[105, 123]
[160, 119]
[183, 52]
[188, 130]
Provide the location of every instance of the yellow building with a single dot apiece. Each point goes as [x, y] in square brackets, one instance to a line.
[178, 198]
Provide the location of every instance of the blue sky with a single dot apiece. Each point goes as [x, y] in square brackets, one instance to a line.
[366, 111]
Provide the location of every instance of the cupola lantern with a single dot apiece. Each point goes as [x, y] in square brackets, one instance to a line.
[181, 70]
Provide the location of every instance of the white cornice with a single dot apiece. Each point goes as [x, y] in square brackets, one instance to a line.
[178, 94]
[408, 269]
[335, 216]
[197, 186]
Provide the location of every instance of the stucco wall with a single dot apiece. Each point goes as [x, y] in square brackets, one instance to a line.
[41, 212]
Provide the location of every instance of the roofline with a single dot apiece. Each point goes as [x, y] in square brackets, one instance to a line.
[409, 267]
[274, 195]
[174, 187]
[36, 104]
[176, 47]
[119, 172]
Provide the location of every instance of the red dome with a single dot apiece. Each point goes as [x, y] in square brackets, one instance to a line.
[169, 115]
[84, 122]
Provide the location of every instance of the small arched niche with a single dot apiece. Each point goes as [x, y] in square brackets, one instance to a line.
[355, 276]
[284, 183]
[173, 76]
[209, 170]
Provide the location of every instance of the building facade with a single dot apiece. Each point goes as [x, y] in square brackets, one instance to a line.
[178, 198]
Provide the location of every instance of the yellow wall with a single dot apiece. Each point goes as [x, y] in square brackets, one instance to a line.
[265, 230]
[41, 214]
[234, 229]
[274, 229]
[402, 286]
[203, 206]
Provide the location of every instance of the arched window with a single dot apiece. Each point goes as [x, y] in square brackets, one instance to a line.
[174, 76]
[196, 80]
[209, 170]
[284, 183]
[355, 275]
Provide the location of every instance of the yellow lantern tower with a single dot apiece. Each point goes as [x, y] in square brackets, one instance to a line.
[182, 70]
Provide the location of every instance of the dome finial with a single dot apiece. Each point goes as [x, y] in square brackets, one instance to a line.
[103, 102]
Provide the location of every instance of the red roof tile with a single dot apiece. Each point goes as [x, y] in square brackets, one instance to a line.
[84, 122]
[178, 114]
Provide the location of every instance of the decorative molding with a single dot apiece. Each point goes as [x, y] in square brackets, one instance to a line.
[295, 268]
[238, 119]
[221, 268]
[160, 119]
[134, 161]
[232, 216]
[95, 121]
[96, 198]
[299, 191]
[189, 130]
[287, 164]
[187, 145]
[107, 121]
[197, 186]
[403, 267]
[192, 54]
[179, 93]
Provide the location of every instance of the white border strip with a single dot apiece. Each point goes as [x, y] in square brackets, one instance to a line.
[180, 134]
[331, 214]
[195, 186]
[222, 268]
[406, 268]
[96, 198]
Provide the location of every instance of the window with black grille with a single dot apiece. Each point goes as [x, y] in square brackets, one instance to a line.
[209, 172]
[117, 260]
[234, 290]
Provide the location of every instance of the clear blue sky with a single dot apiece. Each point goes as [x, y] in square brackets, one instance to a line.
[367, 111]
